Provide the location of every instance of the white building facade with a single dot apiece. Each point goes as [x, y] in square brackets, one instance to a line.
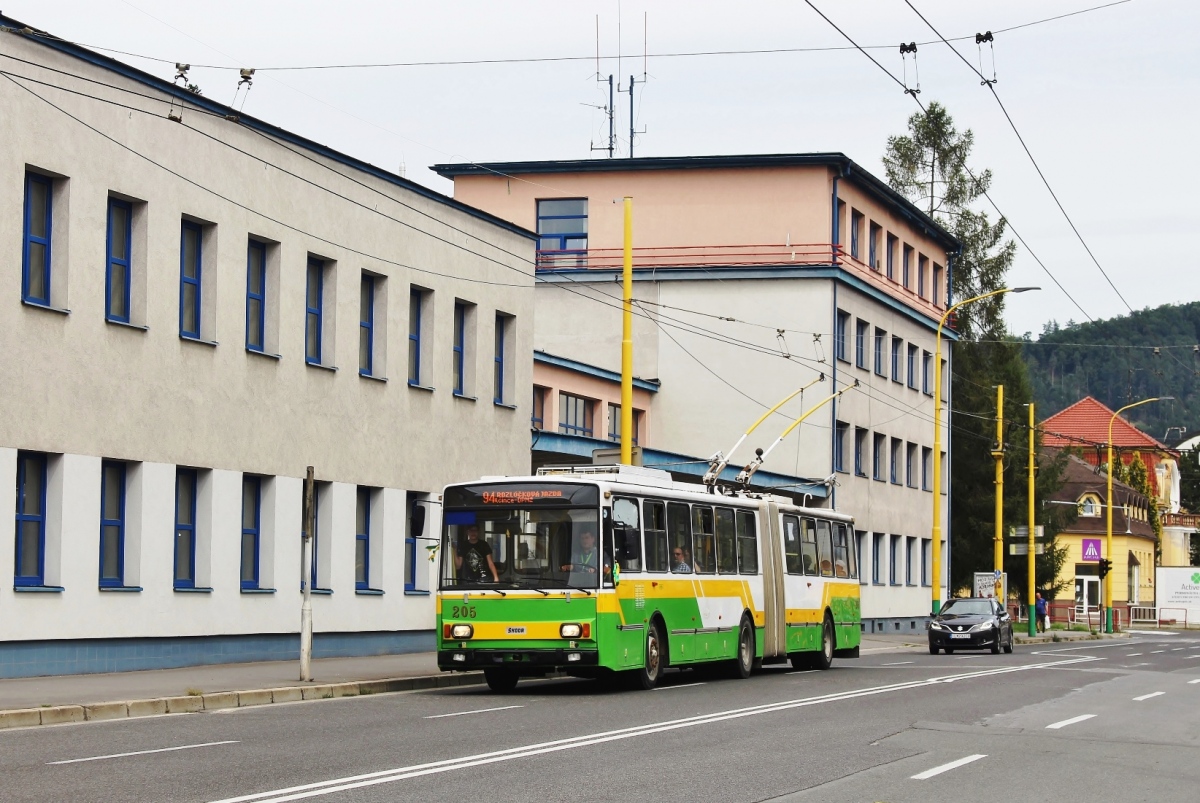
[196, 306]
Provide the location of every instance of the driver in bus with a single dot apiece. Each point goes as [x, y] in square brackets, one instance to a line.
[586, 556]
[474, 560]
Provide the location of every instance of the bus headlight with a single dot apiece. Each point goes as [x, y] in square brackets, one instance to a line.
[571, 631]
[461, 631]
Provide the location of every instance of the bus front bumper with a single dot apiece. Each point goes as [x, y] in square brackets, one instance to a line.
[536, 661]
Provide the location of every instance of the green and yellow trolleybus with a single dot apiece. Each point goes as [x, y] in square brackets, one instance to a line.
[595, 570]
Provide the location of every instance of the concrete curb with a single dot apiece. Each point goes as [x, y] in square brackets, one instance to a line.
[1061, 637]
[190, 704]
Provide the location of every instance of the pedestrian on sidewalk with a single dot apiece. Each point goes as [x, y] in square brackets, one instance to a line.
[1039, 608]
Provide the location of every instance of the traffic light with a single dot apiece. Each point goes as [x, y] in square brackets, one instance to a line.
[1105, 567]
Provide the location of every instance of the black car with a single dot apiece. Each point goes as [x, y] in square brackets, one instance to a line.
[971, 624]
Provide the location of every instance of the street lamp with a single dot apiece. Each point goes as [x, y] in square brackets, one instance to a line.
[937, 440]
[1108, 546]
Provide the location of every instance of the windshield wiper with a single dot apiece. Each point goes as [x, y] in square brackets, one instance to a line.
[532, 588]
[579, 588]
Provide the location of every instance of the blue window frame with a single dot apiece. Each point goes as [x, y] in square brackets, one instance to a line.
[897, 346]
[861, 328]
[35, 250]
[251, 529]
[575, 415]
[894, 564]
[316, 540]
[926, 468]
[840, 333]
[880, 357]
[185, 528]
[190, 259]
[614, 423]
[839, 445]
[911, 465]
[873, 246]
[922, 262]
[460, 348]
[256, 295]
[366, 325]
[501, 335]
[925, 542]
[314, 291]
[562, 227]
[30, 567]
[912, 366]
[537, 419]
[362, 540]
[415, 299]
[907, 269]
[860, 449]
[897, 456]
[910, 554]
[927, 372]
[878, 456]
[112, 524]
[891, 257]
[119, 273]
[856, 220]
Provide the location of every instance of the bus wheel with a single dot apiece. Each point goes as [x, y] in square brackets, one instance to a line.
[501, 680]
[651, 671]
[824, 658]
[743, 665]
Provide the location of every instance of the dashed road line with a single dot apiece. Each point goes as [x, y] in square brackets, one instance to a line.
[927, 774]
[680, 686]
[1132, 654]
[476, 711]
[1148, 696]
[1070, 721]
[897, 663]
[140, 752]
[1156, 652]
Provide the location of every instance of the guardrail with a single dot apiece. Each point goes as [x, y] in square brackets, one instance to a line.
[1162, 619]
[1143, 614]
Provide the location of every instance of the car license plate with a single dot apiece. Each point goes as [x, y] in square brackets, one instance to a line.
[960, 635]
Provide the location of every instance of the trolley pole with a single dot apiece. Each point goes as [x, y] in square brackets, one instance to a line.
[998, 456]
[627, 335]
[306, 632]
[1032, 524]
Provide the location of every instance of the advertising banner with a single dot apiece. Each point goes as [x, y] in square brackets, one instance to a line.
[1177, 591]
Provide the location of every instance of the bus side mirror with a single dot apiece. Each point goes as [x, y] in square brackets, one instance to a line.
[416, 521]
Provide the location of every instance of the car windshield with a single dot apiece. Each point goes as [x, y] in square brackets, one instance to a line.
[967, 607]
[522, 547]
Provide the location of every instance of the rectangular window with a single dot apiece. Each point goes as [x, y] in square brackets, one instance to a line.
[873, 247]
[562, 227]
[877, 558]
[910, 465]
[860, 539]
[679, 534]
[314, 310]
[860, 450]
[861, 330]
[894, 567]
[879, 456]
[891, 256]
[119, 276]
[112, 524]
[256, 296]
[912, 366]
[537, 420]
[925, 542]
[366, 325]
[910, 554]
[938, 280]
[575, 415]
[726, 542]
[416, 331]
[747, 542]
[907, 269]
[840, 332]
[791, 545]
[897, 465]
[657, 554]
[704, 539]
[362, 539]
[251, 530]
[839, 445]
[825, 547]
[856, 219]
[503, 324]
[922, 264]
[614, 423]
[35, 252]
[185, 528]
[843, 553]
[460, 348]
[190, 262]
[926, 468]
[897, 347]
[927, 373]
[31, 520]
[880, 357]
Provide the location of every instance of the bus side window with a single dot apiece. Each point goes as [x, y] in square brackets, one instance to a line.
[704, 540]
[747, 543]
[627, 534]
[657, 553]
[679, 529]
[841, 557]
[726, 542]
[810, 547]
[852, 551]
[825, 548]
[791, 544]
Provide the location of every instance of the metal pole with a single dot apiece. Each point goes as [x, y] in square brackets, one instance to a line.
[631, 131]
[1032, 524]
[627, 340]
[305, 579]
[998, 456]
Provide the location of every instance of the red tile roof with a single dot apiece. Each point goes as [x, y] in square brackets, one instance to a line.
[1086, 421]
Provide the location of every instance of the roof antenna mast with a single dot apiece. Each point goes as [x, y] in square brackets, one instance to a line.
[609, 110]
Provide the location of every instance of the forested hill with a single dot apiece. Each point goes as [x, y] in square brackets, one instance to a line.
[1116, 362]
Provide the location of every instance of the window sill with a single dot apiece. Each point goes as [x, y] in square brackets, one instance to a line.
[185, 590]
[505, 406]
[860, 474]
[877, 583]
[323, 367]
[200, 340]
[266, 354]
[258, 591]
[410, 592]
[465, 397]
[127, 324]
[324, 592]
[416, 386]
[369, 592]
[47, 307]
[841, 471]
[120, 588]
[38, 589]
[373, 377]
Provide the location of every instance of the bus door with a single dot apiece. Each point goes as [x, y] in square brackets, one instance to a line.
[775, 630]
[622, 550]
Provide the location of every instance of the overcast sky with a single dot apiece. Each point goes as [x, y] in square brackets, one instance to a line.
[1106, 100]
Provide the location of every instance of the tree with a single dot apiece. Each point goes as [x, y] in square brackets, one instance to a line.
[1138, 477]
[1189, 480]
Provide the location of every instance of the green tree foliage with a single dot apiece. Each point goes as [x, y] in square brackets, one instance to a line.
[928, 165]
[1138, 476]
[1189, 480]
[1114, 361]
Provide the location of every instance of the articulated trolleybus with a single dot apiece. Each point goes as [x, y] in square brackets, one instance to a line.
[596, 570]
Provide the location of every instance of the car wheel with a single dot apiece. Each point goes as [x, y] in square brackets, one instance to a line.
[501, 680]
[996, 643]
[949, 650]
[1008, 648]
[933, 650]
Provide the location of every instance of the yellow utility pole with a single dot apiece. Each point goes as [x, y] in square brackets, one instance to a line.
[998, 456]
[627, 341]
[1032, 523]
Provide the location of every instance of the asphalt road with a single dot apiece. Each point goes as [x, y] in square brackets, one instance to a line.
[1102, 720]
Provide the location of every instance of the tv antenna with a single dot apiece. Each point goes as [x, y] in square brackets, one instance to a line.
[610, 109]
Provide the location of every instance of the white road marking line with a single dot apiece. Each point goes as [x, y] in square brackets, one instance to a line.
[1148, 696]
[476, 711]
[1156, 652]
[1176, 649]
[140, 752]
[921, 776]
[465, 762]
[1070, 721]
[1190, 682]
[897, 663]
[806, 671]
[1132, 654]
[680, 686]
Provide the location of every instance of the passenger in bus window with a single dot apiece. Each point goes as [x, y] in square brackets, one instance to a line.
[681, 560]
[474, 560]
